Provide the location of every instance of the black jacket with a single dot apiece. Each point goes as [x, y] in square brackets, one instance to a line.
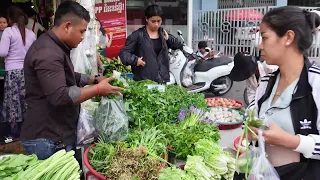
[139, 44]
[303, 107]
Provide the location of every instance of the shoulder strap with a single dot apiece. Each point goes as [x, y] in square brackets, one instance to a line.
[34, 24]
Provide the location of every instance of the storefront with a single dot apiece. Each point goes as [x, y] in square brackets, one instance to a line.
[175, 15]
[113, 13]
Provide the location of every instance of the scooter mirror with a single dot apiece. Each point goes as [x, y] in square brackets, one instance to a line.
[179, 33]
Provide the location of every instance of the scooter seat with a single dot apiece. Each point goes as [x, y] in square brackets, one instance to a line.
[211, 63]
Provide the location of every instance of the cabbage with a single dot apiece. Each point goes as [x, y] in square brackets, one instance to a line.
[195, 166]
[90, 106]
[219, 161]
[173, 173]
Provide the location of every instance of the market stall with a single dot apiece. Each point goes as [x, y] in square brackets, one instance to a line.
[155, 131]
[152, 131]
[174, 130]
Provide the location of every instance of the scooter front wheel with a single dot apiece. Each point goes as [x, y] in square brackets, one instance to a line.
[221, 86]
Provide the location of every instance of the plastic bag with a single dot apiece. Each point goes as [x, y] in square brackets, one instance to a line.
[262, 169]
[117, 75]
[86, 132]
[111, 120]
[84, 57]
[245, 161]
[80, 60]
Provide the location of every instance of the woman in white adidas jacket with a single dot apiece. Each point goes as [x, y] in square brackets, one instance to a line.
[289, 99]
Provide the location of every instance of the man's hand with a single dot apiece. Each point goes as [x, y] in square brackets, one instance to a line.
[101, 78]
[101, 69]
[106, 89]
[140, 62]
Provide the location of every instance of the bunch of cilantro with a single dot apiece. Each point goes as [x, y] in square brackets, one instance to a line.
[149, 107]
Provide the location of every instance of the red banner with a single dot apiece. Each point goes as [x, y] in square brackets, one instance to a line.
[112, 15]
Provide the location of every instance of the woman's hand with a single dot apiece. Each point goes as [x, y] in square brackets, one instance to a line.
[166, 35]
[140, 62]
[277, 136]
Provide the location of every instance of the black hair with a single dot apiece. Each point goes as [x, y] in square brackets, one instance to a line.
[153, 10]
[4, 16]
[70, 11]
[103, 31]
[17, 16]
[202, 44]
[31, 12]
[301, 22]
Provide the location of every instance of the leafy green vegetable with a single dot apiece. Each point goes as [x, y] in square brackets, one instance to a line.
[10, 166]
[250, 122]
[153, 139]
[111, 120]
[242, 164]
[149, 108]
[61, 165]
[214, 156]
[96, 98]
[183, 141]
[117, 82]
[101, 156]
[133, 163]
[253, 122]
[114, 65]
[91, 106]
[172, 173]
[196, 166]
[192, 118]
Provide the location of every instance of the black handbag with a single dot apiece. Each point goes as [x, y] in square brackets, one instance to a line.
[293, 171]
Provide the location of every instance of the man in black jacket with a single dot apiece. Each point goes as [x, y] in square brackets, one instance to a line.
[146, 49]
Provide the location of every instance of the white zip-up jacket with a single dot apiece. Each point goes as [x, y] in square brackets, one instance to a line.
[304, 108]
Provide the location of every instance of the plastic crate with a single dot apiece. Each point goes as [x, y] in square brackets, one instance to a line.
[127, 75]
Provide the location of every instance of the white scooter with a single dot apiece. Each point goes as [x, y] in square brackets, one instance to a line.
[209, 75]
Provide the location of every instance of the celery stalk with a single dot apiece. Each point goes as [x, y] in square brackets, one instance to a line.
[73, 168]
[57, 168]
[43, 165]
[57, 176]
[54, 163]
[74, 177]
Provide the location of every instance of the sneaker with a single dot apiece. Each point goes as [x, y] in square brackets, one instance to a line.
[9, 139]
